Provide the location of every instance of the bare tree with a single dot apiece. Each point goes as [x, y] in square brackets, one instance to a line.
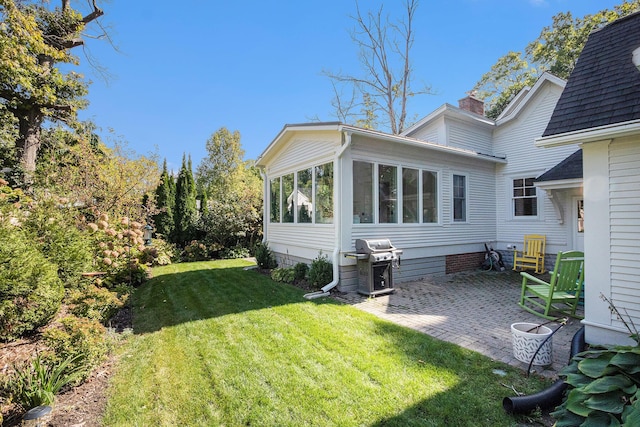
[381, 94]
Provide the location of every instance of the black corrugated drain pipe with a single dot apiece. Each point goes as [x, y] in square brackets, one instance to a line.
[549, 397]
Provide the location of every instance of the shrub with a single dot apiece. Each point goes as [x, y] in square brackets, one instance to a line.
[58, 238]
[81, 339]
[300, 271]
[30, 289]
[264, 257]
[285, 275]
[321, 271]
[195, 251]
[235, 252]
[160, 252]
[38, 382]
[95, 303]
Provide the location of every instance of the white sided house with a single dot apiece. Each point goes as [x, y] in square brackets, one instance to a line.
[449, 184]
[600, 110]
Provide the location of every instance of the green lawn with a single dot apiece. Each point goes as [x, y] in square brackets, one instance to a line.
[216, 345]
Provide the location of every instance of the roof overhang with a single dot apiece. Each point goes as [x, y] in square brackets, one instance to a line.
[617, 130]
[288, 130]
[563, 184]
[523, 97]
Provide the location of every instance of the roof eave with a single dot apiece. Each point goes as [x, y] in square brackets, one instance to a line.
[616, 130]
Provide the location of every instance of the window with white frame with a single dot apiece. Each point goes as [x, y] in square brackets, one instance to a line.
[404, 194]
[274, 197]
[305, 196]
[362, 192]
[459, 198]
[525, 199]
[429, 197]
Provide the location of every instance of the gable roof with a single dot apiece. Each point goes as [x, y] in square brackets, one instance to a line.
[604, 87]
[291, 129]
[569, 168]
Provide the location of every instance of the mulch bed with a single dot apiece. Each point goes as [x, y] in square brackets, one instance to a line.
[81, 406]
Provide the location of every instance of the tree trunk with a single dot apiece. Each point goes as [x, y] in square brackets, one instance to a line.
[28, 143]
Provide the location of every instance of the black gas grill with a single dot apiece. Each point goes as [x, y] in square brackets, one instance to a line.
[376, 260]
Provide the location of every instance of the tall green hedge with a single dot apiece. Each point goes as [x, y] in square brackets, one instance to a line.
[30, 289]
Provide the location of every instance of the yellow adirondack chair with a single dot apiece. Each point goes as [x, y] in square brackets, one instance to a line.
[561, 294]
[532, 254]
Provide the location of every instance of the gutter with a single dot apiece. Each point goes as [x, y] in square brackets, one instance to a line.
[338, 229]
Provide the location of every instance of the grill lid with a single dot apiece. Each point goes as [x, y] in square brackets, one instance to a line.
[369, 246]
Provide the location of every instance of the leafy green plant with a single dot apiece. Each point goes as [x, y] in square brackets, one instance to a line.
[234, 252]
[38, 382]
[195, 251]
[321, 271]
[81, 339]
[603, 384]
[55, 234]
[300, 271]
[264, 257]
[95, 303]
[30, 289]
[284, 275]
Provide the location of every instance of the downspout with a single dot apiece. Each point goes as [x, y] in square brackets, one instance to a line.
[324, 291]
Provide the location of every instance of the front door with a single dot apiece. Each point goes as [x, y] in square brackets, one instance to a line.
[577, 225]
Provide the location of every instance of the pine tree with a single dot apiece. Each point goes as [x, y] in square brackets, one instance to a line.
[165, 200]
[185, 205]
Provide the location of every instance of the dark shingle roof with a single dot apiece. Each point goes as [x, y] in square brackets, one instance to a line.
[569, 168]
[604, 87]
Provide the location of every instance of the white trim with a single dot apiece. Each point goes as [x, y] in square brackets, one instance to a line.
[523, 97]
[601, 133]
[466, 198]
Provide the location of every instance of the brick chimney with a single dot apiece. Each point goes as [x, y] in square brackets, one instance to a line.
[472, 104]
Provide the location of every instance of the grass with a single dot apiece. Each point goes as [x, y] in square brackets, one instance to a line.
[216, 345]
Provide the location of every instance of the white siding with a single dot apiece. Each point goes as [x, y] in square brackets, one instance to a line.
[469, 137]
[624, 213]
[515, 138]
[434, 132]
[301, 151]
[445, 237]
[304, 150]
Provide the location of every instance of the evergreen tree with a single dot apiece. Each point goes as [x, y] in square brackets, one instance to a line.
[185, 205]
[165, 200]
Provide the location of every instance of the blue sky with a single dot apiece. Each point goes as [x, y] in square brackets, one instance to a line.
[183, 70]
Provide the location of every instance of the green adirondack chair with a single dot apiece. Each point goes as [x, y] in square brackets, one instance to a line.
[562, 293]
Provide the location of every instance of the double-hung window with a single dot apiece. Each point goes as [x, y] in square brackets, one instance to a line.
[459, 198]
[525, 199]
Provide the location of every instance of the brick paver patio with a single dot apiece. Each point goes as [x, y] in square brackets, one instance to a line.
[472, 309]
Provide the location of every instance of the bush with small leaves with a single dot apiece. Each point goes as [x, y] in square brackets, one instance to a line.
[264, 257]
[95, 302]
[301, 270]
[284, 275]
[30, 290]
[321, 271]
[82, 339]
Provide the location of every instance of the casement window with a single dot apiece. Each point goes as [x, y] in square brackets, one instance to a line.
[429, 197]
[274, 189]
[387, 194]
[525, 199]
[410, 191]
[288, 198]
[362, 192]
[323, 193]
[303, 197]
[459, 198]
